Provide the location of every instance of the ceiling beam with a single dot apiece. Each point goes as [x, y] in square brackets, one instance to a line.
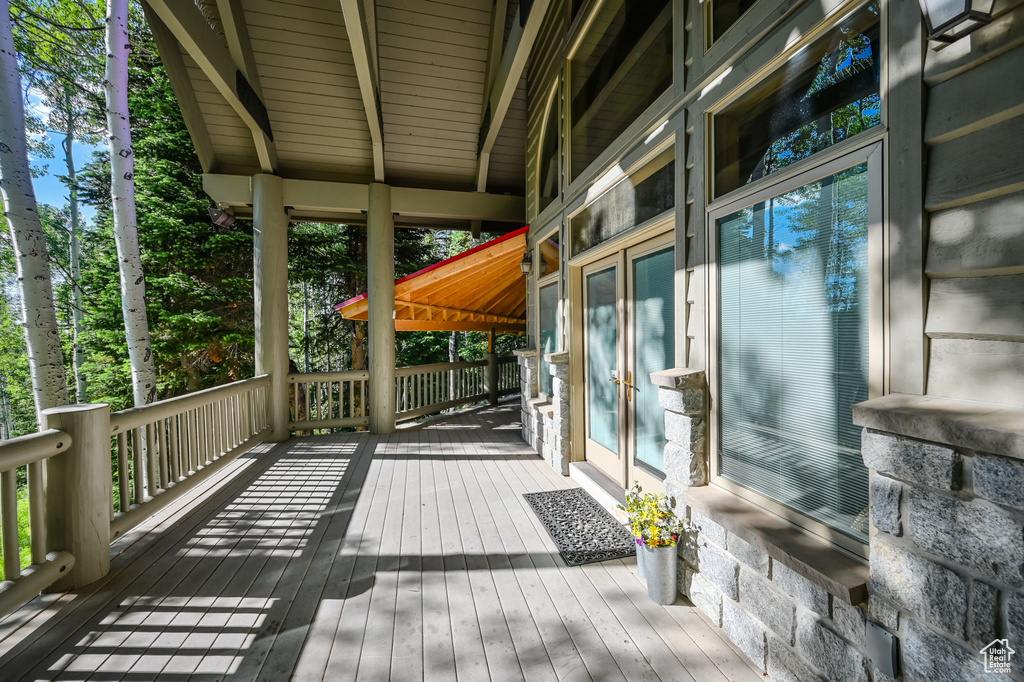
[346, 197]
[363, 50]
[193, 31]
[506, 80]
[170, 55]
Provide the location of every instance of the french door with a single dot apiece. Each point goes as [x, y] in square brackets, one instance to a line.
[628, 332]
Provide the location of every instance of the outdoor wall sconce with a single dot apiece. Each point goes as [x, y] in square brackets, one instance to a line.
[221, 218]
[950, 20]
[526, 265]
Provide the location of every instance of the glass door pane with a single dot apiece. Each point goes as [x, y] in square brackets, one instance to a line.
[653, 328]
[602, 341]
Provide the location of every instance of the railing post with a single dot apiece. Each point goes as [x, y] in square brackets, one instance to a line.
[492, 377]
[79, 486]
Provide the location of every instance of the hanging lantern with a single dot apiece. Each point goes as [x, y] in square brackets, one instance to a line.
[950, 20]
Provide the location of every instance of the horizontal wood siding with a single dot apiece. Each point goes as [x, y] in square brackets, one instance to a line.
[974, 194]
[545, 65]
[433, 63]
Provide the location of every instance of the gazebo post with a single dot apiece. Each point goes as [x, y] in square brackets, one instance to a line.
[270, 283]
[380, 236]
[492, 370]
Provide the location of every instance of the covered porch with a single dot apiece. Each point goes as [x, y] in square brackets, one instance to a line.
[404, 556]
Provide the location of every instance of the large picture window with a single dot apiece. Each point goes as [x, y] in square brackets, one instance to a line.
[622, 65]
[793, 337]
[826, 93]
[548, 258]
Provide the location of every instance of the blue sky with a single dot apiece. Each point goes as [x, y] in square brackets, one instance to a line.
[50, 190]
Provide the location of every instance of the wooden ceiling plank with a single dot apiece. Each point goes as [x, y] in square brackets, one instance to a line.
[193, 31]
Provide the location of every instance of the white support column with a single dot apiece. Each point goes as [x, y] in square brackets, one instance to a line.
[78, 492]
[270, 279]
[380, 276]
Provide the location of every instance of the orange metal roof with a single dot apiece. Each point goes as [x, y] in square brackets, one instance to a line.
[479, 290]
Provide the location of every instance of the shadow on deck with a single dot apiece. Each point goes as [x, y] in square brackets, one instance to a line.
[409, 556]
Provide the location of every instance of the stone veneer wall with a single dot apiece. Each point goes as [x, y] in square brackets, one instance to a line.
[784, 622]
[948, 554]
[546, 421]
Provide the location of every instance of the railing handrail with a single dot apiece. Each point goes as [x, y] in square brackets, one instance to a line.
[437, 367]
[507, 359]
[349, 375]
[134, 417]
[35, 447]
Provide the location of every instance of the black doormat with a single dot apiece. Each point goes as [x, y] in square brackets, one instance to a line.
[583, 530]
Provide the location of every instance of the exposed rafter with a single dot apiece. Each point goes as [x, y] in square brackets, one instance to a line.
[193, 31]
[506, 80]
[170, 55]
[359, 41]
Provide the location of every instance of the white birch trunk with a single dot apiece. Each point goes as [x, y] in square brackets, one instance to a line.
[77, 314]
[122, 194]
[46, 359]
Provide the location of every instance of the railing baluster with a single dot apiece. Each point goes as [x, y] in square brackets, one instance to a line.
[9, 516]
[165, 460]
[174, 450]
[149, 447]
[138, 470]
[123, 479]
[37, 512]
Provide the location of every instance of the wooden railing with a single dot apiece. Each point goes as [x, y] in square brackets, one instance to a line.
[328, 400]
[161, 447]
[426, 389]
[46, 568]
[508, 376]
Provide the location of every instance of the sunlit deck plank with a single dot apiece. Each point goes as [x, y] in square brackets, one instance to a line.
[360, 557]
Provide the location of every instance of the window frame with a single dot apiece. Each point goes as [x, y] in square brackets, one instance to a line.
[576, 33]
[553, 101]
[552, 278]
[871, 152]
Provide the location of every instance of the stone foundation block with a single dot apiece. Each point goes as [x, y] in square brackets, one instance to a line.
[785, 666]
[718, 567]
[885, 504]
[768, 605]
[745, 633]
[930, 657]
[914, 461]
[1015, 622]
[999, 479]
[689, 402]
[751, 555]
[850, 621]
[686, 432]
[883, 613]
[984, 613]
[828, 652]
[977, 533]
[708, 528]
[799, 587]
[685, 466]
[933, 592]
[704, 595]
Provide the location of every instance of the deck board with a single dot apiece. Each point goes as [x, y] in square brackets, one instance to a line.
[406, 557]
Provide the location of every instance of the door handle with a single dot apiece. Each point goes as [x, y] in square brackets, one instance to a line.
[628, 383]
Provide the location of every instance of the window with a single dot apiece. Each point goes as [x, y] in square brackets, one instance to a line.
[793, 344]
[548, 331]
[722, 14]
[622, 65]
[644, 194]
[827, 92]
[548, 177]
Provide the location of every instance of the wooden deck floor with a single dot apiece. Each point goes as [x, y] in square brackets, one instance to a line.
[406, 557]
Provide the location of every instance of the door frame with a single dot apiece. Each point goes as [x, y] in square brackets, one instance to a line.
[661, 224]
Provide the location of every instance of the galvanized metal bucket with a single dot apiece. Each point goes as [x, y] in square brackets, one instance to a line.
[661, 567]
